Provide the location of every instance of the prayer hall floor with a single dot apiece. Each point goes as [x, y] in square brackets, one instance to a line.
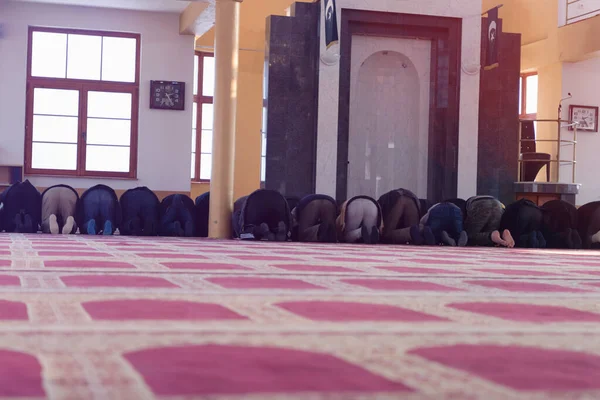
[141, 318]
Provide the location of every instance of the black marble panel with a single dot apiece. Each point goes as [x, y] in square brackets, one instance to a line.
[497, 149]
[292, 100]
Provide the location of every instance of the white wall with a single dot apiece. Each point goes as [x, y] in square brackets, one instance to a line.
[470, 11]
[582, 80]
[164, 136]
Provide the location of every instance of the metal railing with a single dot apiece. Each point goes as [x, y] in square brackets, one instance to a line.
[558, 161]
[573, 16]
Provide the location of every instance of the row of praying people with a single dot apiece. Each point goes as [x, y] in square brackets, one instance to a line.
[138, 212]
[397, 217]
[400, 217]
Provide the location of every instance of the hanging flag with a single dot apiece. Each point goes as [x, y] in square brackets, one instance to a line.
[493, 33]
[331, 28]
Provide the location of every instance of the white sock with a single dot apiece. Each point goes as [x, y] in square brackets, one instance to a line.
[53, 224]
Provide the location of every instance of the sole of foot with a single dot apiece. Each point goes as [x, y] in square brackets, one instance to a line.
[463, 239]
[507, 237]
[429, 236]
[69, 226]
[91, 227]
[497, 239]
[53, 224]
[447, 239]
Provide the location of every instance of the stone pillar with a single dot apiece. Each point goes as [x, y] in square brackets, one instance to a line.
[227, 32]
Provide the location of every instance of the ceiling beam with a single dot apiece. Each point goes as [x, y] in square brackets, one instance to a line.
[198, 18]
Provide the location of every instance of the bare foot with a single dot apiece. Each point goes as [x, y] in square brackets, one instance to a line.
[508, 238]
[496, 238]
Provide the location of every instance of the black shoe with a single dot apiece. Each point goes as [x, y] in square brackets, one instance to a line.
[533, 241]
[366, 236]
[374, 235]
[416, 236]
[429, 236]
[446, 239]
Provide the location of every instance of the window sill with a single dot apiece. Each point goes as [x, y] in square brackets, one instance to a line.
[112, 178]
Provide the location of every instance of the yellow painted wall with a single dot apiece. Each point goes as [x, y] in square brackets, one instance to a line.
[250, 92]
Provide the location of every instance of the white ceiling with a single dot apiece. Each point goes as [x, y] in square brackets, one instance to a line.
[147, 5]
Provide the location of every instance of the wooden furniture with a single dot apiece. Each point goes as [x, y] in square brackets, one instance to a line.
[10, 174]
[531, 161]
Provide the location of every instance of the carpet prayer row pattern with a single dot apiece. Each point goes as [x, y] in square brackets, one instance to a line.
[143, 318]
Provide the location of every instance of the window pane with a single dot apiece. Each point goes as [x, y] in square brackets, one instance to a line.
[263, 168]
[520, 95]
[193, 165]
[107, 158]
[205, 166]
[84, 57]
[263, 151]
[532, 95]
[56, 102]
[54, 129]
[264, 120]
[206, 144]
[208, 77]
[119, 59]
[195, 75]
[49, 54]
[109, 105]
[194, 115]
[54, 156]
[207, 116]
[193, 140]
[109, 131]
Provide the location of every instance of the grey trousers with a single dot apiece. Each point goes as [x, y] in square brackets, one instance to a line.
[61, 202]
[359, 213]
[483, 218]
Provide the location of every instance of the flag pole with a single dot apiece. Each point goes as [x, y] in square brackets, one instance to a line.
[493, 8]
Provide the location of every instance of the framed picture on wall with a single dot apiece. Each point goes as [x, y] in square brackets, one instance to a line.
[587, 117]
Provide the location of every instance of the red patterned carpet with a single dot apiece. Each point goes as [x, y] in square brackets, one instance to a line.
[132, 318]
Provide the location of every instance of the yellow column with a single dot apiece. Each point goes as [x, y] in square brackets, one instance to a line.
[227, 32]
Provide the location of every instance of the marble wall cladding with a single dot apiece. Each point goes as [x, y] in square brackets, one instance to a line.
[292, 54]
[498, 143]
[389, 115]
[329, 87]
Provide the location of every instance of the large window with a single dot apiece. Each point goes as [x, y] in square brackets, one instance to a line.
[203, 114]
[82, 103]
[528, 96]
